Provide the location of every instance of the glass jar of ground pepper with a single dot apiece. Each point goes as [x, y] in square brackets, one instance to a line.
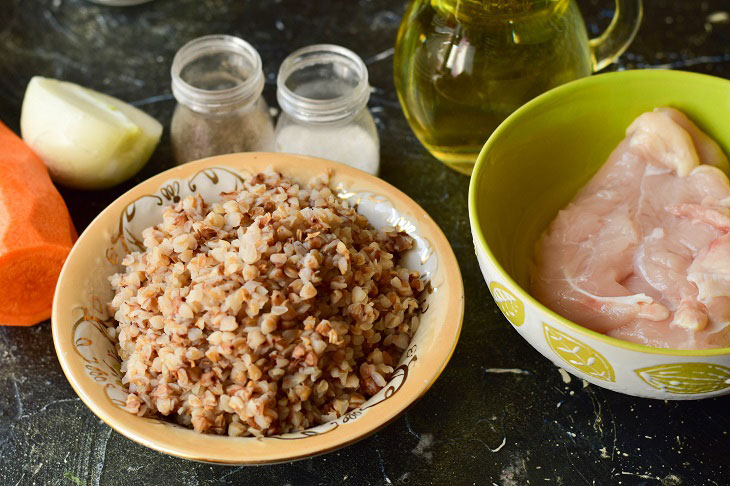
[217, 81]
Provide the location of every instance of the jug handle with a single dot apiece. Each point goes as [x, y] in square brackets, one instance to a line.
[606, 48]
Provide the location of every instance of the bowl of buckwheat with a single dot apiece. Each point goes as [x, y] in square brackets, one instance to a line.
[257, 308]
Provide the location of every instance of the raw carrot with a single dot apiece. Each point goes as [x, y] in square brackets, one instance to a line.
[36, 234]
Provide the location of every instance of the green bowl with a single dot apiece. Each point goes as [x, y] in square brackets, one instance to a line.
[532, 166]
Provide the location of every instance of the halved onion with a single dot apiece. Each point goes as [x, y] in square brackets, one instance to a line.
[87, 139]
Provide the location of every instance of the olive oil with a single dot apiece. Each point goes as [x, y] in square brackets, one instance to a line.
[462, 66]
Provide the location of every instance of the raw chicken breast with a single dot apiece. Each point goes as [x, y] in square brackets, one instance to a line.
[642, 253]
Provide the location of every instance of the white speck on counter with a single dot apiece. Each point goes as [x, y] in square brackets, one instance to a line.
[382, 467]
[719, 17]
[499, 447]
[515, 371]
[564, 375]
[380, 56]
[643, 476]
[423, 448]
[515, 474]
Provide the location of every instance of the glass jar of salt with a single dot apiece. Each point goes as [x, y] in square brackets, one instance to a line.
[217, 81]
[323, 92]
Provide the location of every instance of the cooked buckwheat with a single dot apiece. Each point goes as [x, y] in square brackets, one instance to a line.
[276, 309]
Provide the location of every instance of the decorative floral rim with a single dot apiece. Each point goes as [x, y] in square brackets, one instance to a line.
[168, 194]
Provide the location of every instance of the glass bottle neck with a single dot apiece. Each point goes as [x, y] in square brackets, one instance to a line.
[323, 84]
[217, 73]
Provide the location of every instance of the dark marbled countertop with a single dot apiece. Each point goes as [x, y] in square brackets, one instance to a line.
[500, 414]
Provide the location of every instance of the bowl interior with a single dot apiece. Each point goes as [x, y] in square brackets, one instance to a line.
[89, 359]
[537, 160]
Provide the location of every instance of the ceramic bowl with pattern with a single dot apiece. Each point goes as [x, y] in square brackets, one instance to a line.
[91, 364]
[531, 167]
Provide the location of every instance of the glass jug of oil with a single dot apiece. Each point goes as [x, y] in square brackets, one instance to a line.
[462, 66]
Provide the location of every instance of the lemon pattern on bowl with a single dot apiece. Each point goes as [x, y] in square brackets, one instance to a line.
[686, 378]
[512, 307]
[579, 355]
